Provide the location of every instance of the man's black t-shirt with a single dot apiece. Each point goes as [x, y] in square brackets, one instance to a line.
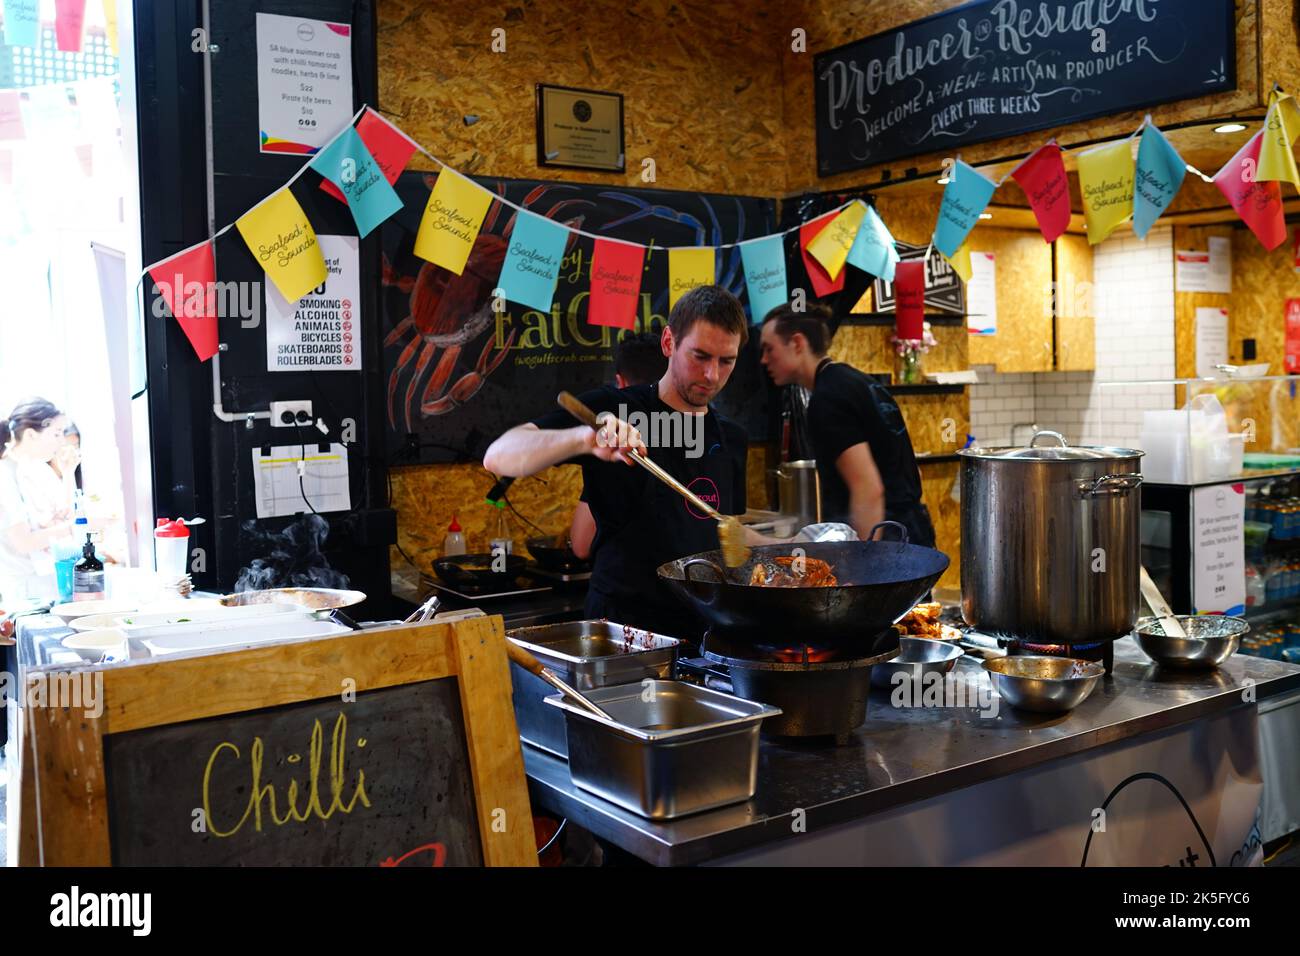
[642, 523]
[848, 408]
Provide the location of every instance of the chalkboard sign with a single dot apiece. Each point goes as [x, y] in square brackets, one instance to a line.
[386, 747]
[373, 781]
[996, 68]
[459, 374]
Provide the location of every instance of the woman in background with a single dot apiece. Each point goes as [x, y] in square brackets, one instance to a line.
[31, 517]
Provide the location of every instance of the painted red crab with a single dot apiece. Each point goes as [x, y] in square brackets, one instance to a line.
[448, 311]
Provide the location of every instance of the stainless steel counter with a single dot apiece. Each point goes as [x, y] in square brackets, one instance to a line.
[904, 755]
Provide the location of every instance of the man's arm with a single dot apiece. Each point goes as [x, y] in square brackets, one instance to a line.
[526, 449]
[866, 489]
[582, 530]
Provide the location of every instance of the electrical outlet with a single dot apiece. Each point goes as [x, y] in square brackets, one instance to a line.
[288, 414]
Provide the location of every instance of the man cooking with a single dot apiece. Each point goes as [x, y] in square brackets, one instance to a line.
[865, 464]
[641, 523]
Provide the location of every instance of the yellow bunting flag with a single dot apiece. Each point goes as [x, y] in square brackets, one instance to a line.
[281, 238]
[960, 260]
[688, 267]
[1106, 180]
[1281, 127]
[831, 246]
[451, 221]
[110, 24]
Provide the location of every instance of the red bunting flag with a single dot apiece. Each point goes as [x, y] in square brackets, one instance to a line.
[822, 282]
[1042, 177]
[615, 283]
[69, 17]
[390, 147]
[909, 299]
[1259, 204]
[187, 283]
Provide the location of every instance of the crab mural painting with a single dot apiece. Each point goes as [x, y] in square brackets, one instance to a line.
[460, 367]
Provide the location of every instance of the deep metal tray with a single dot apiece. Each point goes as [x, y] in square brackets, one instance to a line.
[585, 655]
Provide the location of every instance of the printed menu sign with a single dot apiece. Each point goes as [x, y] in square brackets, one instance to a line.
[1218, 549]
[304, 82]
[320, 332]
[996, 68]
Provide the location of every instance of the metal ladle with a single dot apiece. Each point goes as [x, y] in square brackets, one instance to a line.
[534, 666]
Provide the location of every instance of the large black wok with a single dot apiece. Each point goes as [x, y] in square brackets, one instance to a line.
[879, 581]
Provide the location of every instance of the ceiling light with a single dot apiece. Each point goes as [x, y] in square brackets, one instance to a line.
[944, 181]
[1230, 128]
[986, 215]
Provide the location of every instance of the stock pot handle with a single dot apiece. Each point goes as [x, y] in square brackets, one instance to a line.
[1108, 485]
[1050, 434]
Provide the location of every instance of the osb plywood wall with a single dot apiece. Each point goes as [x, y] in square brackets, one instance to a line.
[830, 25]
[1023, 264]
[702, 90]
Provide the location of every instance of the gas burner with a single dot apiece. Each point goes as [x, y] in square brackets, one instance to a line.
[1102, 651]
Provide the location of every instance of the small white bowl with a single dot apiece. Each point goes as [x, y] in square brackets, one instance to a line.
[106, 645]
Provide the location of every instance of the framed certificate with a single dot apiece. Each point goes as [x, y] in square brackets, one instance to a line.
[579, 129]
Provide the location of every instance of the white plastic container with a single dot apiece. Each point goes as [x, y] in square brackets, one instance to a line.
[171, 542]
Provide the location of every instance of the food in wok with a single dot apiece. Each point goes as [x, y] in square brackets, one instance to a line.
[793, 572]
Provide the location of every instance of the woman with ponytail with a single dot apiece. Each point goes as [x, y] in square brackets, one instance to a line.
[30, 436]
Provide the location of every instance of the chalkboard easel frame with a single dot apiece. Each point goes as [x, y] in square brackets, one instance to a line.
[63, 765]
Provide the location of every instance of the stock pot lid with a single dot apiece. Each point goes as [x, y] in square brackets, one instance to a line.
[1069, 453]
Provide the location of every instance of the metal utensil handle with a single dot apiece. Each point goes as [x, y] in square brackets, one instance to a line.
[531, 664]
[902, 530]
[1159, 606]
[1050, 434]
[589, 418]
[1108, 485]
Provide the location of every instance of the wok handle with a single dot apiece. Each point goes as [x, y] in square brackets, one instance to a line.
[902, 530]
[694, 562]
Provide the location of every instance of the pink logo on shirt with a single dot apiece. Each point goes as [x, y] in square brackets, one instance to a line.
[707, 492]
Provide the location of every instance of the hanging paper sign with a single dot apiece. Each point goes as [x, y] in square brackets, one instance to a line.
[391, 148]
[1281, 127]
[1106, 182]
[1258, 204]
[688, 267]
[822, 281]
[11, 115]
[1211, 340]
[764, 262]
[348, 164]
[873, 248]
[304, 82]
[616, 269]
[451, 221]
[831, 246]
[961, 261]
[1158, 178]
[1292, 336]
[1042, 177]
[532, 263]
[320, 332]
[69, 18]
[982, 294]
[187, 283]
[22, 22]
[964, 198]
[1218, 549]
[909, 299]
[282, 239]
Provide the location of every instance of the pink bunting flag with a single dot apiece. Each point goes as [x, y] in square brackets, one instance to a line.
[390, 147]
[615, 283]
[1259, 204]
[822, 282]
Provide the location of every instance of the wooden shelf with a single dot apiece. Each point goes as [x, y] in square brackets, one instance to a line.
[927, 388]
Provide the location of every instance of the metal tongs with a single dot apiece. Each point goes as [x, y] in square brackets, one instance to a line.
[425, 611]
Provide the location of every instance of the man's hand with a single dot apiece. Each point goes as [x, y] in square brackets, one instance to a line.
[613, 439]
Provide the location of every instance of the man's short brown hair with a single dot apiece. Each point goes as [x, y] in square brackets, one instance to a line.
[811, 323]
[712, 304]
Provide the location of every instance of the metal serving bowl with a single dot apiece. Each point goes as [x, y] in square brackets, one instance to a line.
[1048, 685]
[917, 656]
[1211, 639]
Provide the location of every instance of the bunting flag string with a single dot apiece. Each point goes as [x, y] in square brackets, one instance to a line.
[361, 164]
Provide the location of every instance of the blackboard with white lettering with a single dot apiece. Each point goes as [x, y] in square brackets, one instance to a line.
[996, 68]
[383, 780]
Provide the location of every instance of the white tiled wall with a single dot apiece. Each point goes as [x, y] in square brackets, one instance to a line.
[1133, 300]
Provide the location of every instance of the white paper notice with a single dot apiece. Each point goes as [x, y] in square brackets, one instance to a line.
[319, 332]
[1191, 270]
[1218, 275]
[982, 294]
[324, 480]
[1218, 549]
[1211, 340]
[304, 82]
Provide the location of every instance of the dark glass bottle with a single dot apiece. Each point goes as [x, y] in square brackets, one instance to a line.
[88, 574]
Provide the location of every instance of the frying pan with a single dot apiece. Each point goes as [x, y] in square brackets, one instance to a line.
[553, 553]
[475, 570]
[317, 599]
[879, 581]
